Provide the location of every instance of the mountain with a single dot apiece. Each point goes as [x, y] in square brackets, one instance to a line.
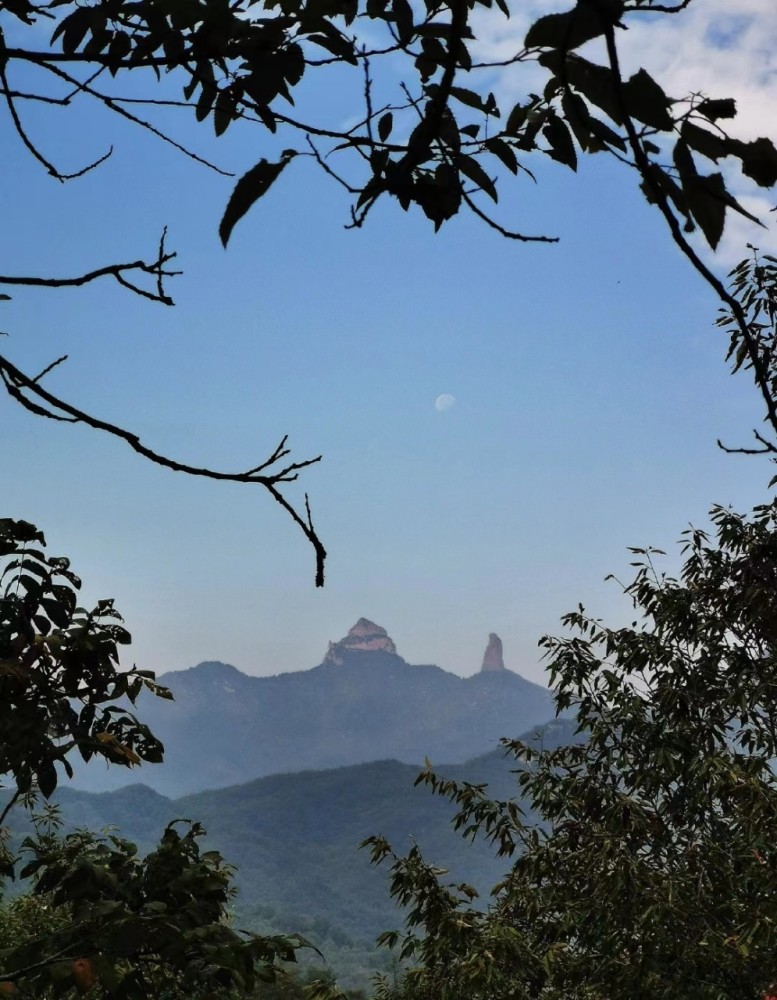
[363, 702]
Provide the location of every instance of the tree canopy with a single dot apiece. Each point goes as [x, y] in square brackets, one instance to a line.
[428, 131]
[98, 912]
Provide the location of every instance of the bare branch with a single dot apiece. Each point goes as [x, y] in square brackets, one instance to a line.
[658, 8]
[48, 368]
[21, 387]
[84, 87]
[510, 234]
[767, 447]
[31, 147]
[116, 271]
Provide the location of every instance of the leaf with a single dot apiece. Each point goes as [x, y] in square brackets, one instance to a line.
[647, 102]
[46, 776]
[515, 119]
[223, 110]
[474, 100]
[472, 169]
[385, 124]
[562, 147]
[758, 159]
[249, 189]
[73, 29]
[596, 83]
[706, 201]
[712, 110]
[504, 151]
[205, 101]
[403, 18]
[712, 146]
[574, 27]
[336, 43]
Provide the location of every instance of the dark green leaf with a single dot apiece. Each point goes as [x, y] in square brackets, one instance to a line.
[596, 83]
[46, 777]
[474, 100]
[707, 143]
[707, 203]
[248, 190]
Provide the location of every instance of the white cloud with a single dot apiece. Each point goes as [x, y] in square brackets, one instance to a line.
[714, 47]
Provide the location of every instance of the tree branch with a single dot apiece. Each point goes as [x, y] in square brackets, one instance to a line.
[21, 387]
[117, 271]
[644, 166]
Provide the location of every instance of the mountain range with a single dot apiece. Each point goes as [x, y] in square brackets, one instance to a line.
[363, 702]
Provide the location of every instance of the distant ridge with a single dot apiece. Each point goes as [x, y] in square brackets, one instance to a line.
[362, 703]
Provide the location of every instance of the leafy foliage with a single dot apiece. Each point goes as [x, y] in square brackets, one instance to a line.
[441, 139]
[61, 688]
[141, 926]
[156, 925]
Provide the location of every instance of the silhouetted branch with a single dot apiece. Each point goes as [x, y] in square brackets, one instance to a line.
[659, 196]
[767, 447]
[84, 87]
[30, 145]
[21, 387]
[10, 804]
[493, 224]
[117, 271]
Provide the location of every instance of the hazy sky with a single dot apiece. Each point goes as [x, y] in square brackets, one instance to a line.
[498, 421]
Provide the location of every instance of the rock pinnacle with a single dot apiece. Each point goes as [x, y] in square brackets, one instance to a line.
[492, 658]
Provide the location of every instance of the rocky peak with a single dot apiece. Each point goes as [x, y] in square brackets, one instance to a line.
[492, 658]
[364, 637]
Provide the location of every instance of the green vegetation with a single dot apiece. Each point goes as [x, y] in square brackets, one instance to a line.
[651, 870]
[155, 925]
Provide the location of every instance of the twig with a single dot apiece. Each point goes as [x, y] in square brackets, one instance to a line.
[48, 368]
[328, 170]
[116, 271]
[31, 147]
[18, 385]
[9, 805]
[110, 103]
[500, 229]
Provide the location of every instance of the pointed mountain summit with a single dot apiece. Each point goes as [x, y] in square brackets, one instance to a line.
[363, 703]
[492, 658]
[364, 637]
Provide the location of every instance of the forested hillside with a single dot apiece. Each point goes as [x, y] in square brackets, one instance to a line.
[295, 841]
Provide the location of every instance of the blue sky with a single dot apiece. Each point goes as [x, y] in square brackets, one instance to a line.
[589, 382]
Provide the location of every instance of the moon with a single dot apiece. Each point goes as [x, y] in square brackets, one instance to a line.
[444, 402]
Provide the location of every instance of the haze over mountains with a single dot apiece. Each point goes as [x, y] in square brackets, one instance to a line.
[362, 703]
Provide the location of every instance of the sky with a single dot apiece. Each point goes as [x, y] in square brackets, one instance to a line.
[498, 421]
